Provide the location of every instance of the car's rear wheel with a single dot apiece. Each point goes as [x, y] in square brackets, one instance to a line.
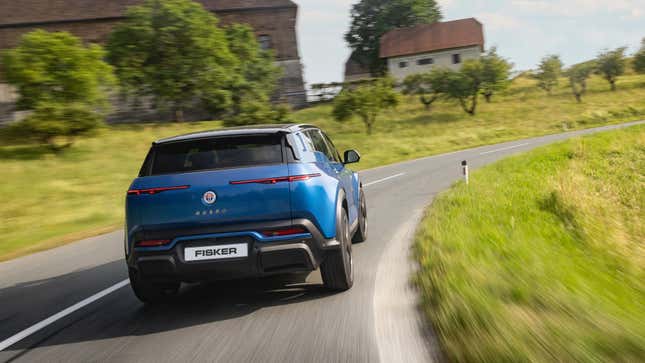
[361, 232]
[338, 268]
[151, 292]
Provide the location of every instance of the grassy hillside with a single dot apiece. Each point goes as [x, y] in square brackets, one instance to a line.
[542, 257]
[49, 199]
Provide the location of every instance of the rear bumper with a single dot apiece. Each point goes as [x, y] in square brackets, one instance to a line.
[266, 256]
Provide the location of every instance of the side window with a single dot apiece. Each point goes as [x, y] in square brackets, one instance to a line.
[332, 149]
[306, 140]
[319, 143]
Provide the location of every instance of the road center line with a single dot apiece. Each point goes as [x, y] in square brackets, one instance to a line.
[504, 148]
[54, 318]
[382, 180]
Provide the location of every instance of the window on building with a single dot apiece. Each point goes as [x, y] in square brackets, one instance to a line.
[425, 61]
[456, 58]
[403, 64]
[265, 42]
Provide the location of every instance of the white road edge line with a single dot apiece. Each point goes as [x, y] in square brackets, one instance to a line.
[382, 180]
[54, 318]
[505, 148]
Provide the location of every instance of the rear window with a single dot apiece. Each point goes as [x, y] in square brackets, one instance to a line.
[216, 153]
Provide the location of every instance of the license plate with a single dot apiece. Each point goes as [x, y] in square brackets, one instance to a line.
[220, 252]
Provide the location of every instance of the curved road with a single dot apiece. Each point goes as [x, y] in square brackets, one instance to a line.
[272, 320]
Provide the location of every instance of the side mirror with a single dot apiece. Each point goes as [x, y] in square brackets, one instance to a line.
[351, 157]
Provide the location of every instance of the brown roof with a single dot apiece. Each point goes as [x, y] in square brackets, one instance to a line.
[45, 11]
[432, 37]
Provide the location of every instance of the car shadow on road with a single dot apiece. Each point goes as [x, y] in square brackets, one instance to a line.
[121, 315]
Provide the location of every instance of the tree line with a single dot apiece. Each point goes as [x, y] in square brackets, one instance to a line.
[609, 64]
[171, 53]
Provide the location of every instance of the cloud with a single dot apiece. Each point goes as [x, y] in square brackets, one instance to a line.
[576, 8]
[498, 21]
[445, 4]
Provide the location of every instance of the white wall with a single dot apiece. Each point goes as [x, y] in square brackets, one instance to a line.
[441, 59]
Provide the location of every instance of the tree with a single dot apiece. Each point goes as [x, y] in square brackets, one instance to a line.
[578, 76]
[549, 72]
[464, 86]
[56, 67]
[64, 83]
[253, 81]
[611, 64]
[366, 101]
[639, 59]
[421, 84]
[173, 51]
[373, 18]
[496, 73]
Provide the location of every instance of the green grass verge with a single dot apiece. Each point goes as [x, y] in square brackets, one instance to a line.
[52, 199]
[542, 257]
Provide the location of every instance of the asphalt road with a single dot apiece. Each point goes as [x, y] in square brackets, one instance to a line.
[271, 320]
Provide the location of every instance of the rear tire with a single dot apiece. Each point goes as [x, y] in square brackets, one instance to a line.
[150, 292]
[337, 270]
[361, 232]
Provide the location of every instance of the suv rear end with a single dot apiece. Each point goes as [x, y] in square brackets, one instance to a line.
[219, 206]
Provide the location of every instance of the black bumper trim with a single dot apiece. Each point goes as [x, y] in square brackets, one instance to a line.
[292, 246]
[297, 255]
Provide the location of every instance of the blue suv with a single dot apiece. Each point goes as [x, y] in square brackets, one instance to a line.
[243, 202]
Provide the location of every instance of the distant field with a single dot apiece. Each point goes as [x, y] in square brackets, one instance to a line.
[542, 257]
[48, 200]
[522, 111]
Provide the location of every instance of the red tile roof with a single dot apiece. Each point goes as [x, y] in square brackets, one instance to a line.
[426, 38]
[44, 11]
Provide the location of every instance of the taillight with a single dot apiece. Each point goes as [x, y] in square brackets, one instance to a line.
[153, 243]
[284, 232]
[276, 180]
[152, 191]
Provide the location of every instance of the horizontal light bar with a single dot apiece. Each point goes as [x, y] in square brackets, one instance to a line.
[152, 191]
[276, 180]
[153, 243]
[284, 232]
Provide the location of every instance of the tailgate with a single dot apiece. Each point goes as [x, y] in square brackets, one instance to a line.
[209, 198]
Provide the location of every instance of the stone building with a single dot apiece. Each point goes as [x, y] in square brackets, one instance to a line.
[274, 22]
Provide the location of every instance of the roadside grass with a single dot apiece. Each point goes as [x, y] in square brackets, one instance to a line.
[53, 199]
[542, 257]
[49, 199]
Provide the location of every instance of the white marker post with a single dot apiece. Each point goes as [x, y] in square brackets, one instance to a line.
[464, 166]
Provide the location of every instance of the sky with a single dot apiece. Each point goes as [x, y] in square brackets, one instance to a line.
[523, 30]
